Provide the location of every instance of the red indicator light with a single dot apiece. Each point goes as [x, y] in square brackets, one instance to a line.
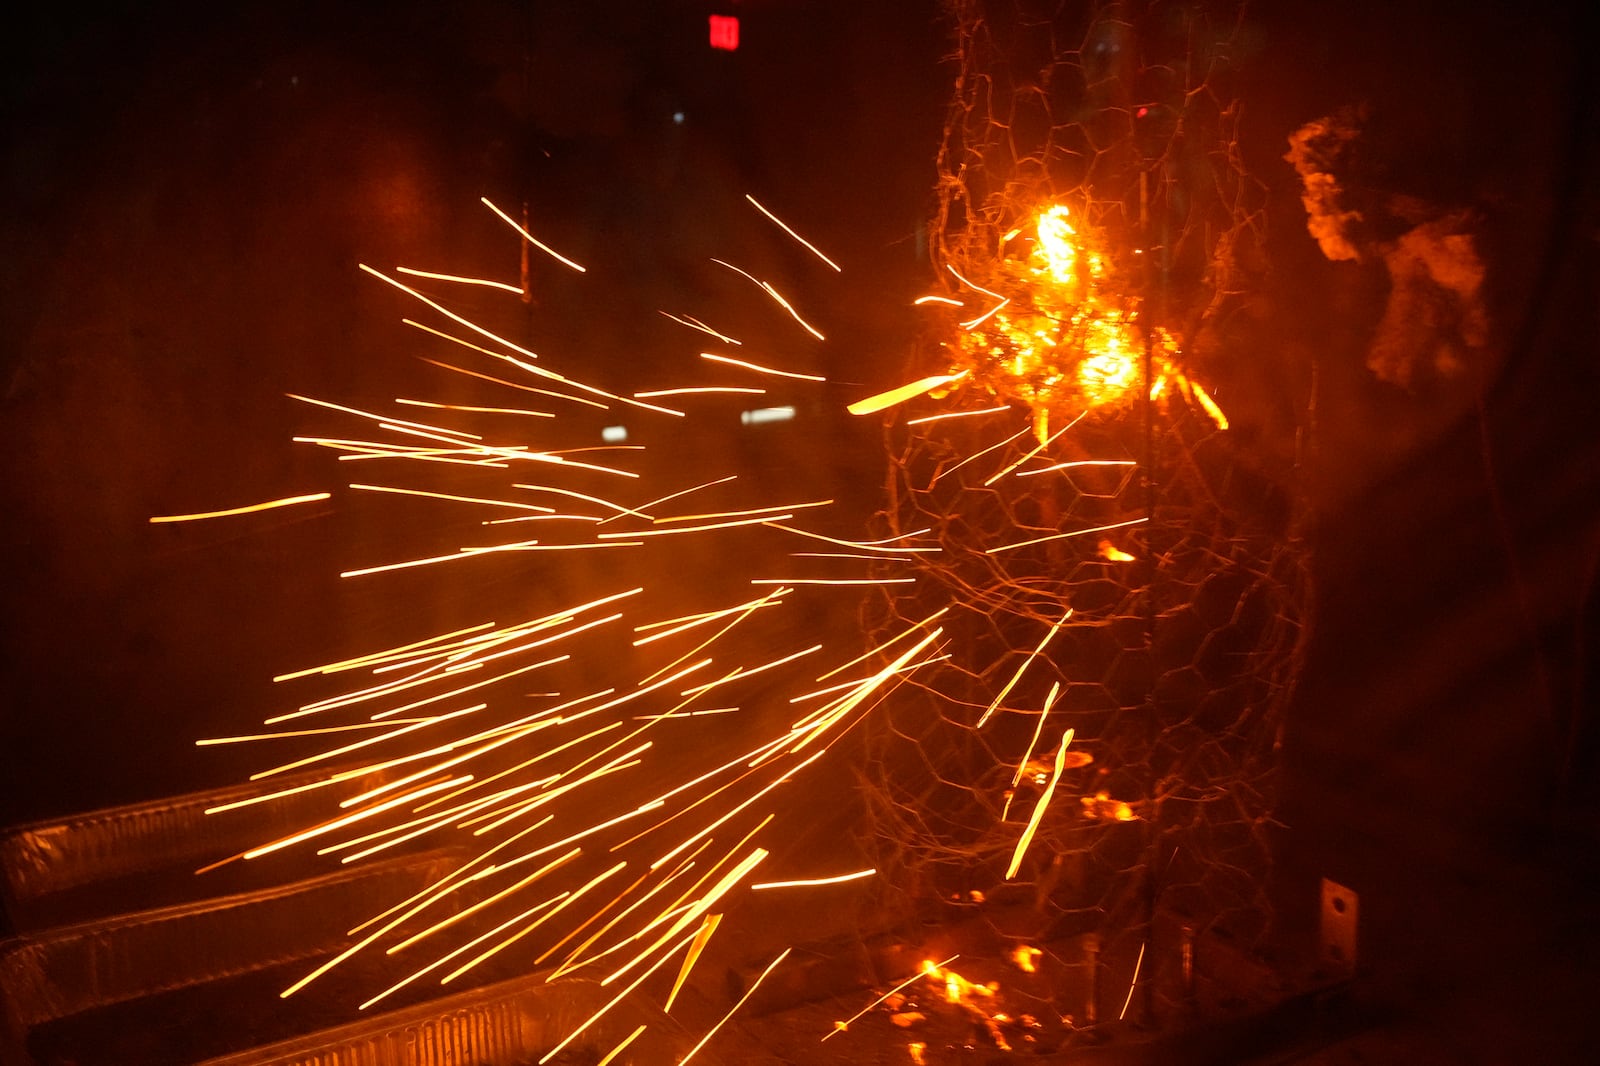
[724, 32]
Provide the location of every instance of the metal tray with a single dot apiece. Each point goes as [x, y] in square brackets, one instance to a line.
[56, 973]
[513, 1023]
[144, 855]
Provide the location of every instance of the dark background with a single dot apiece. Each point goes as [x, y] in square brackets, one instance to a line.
[188, 190]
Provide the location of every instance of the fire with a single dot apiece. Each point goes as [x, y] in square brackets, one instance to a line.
[1027, 958]
[1061, 331]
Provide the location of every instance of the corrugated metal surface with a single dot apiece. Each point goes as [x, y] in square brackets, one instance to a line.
[42, 861]
[59, 972]
[501, 1025]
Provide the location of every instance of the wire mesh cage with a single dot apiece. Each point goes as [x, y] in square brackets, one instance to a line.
[1122, 588]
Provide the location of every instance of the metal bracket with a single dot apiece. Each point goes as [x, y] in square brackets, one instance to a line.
[1341, 908]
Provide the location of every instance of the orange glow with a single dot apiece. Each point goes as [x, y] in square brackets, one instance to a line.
[1027, 959]
[1103, 808]
[926, 968]
[1112, 554]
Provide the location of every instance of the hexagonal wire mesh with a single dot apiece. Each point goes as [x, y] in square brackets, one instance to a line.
[1161, 575]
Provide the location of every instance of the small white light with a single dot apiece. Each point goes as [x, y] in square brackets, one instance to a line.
[614, 434]
[677, 118]
[762, 415]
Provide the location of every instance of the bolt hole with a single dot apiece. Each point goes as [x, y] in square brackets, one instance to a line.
[1338, 904]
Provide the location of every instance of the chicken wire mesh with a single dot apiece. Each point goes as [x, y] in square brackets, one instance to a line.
[1125, 590]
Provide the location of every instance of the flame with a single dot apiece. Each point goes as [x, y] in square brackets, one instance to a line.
[1027, 958]
[1113, 554]
[1103, 807]
[1061, 329]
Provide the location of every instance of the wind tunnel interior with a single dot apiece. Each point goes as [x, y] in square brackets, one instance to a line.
[1183, 656]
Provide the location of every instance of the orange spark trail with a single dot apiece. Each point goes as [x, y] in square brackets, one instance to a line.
[517, 289]
[531, 239]
[287, 501]
[776, 296]
[695, 323]
[1038, 809]
[758, 368]
[785, 227]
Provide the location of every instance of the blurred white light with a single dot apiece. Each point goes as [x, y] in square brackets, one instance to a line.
[762, 415]
[677, 118]
[614, 434]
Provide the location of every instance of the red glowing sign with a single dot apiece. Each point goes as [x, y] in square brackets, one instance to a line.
[725, 32]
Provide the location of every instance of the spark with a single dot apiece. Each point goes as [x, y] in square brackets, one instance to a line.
[1209, 404]
[517, 289]
[1034, 654]
[973, 285]
[451, 315]
[884, 400]
[1064, 536]
[349, 819]
[671, 496]
[1133, 983]
[815, 881]
[731, 523]
[680, 625]
[597, 1015]
[451, 496]
[525, 930]
[832, 580]
[773, 965]
[531, 239]
[979, 455]
[864, 546]
[1043, 444]
[287, 501]
[699, 390]
[1075, 464]
[748, 511]
[614, 1052]
[840, 1027]
[569, 493]
[1039, 808]
[708, 927]
[538, 371]
[468, 946]
[776, 296]
[785, 227]
[758, 368]
[695, 323]
[1049, 701]
[495, 380]
[947, 415]
[976, 322]
[475, 410]
[920, 300]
